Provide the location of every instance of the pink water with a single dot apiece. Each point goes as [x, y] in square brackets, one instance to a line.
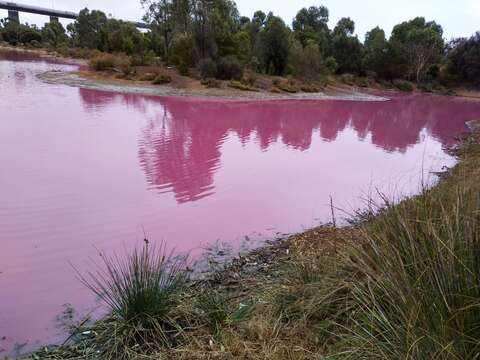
[82, 169]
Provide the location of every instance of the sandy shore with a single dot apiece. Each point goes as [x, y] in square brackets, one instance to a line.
[77, 79]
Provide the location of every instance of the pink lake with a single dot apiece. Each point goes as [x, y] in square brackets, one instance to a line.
[82, 170]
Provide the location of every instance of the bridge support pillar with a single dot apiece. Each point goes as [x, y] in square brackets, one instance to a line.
[53, 19]
[13, 15]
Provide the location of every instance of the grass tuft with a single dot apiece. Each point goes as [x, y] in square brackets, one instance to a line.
[140, 290]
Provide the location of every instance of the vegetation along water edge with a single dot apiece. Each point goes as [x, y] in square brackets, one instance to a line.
[400, 282]
[208, 47]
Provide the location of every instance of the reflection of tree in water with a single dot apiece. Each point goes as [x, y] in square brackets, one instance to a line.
[181, 144]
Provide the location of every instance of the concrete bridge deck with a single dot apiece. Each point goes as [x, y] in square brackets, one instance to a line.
[14, 9]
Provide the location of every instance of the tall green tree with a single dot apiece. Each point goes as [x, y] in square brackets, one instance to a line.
[311, 26]
[54, 33]
[464, 59]
[347, 49]
[120, 36]
[377, 55]
[160, 14]
[274, 45]
[86, 30]
[420, 43]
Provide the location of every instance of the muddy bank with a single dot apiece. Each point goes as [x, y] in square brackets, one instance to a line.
[76, 79]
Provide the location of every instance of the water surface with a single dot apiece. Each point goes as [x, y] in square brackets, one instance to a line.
[82, 170]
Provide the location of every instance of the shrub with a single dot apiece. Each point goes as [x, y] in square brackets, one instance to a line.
[309, 88]
[331, 64]
[183, 69]
[287, 86]
[162, 79]
[148, 77]
[181, 52]
[425, 87]
[362, 82]
[403, 86]
[229, 68]
[140, 291]
[104, 61]
[307, 61]
[27, 35]
[211, 83]
[241, 86]
[124, 64]
[207, 68]
[348, 79]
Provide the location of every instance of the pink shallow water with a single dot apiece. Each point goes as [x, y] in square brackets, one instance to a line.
[83, 169]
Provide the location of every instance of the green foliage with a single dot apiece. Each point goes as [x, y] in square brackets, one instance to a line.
[307, 61]
[377, 56]
[229, 68]
[420, 44]
[207, 68]
[140, 290]
[403, 86]
[331, 64]
[119, 36]
[162, 79]
[310, 26]
[28, 34]
[408, 287]
[54, 33]
[464, 59]
[215, 305]
[347, 49]
[15, 33]
[87, 28]
[181, 52]
[241, 41]
[274, 46]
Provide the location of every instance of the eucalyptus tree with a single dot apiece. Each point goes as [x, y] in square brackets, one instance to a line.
[86, 29]
[160, 14]
[311, 26]
[420, 43]
[274, 45]
[347, 49]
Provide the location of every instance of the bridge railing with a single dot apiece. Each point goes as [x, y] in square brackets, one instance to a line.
[14, 9]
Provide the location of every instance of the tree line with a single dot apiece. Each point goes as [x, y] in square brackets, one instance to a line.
[212, 36]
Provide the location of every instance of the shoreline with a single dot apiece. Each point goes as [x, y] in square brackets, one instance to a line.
[264, 273]
[75, 79]
[103, 81]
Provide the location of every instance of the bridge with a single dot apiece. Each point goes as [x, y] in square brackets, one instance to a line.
[15, 9]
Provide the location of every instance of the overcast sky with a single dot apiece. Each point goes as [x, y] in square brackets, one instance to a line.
[458, 18]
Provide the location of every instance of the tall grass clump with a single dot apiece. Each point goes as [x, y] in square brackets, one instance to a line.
[413, 279]
[141, 291]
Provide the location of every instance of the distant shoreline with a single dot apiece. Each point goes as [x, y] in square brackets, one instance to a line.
[105, 81]
[83, 80]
